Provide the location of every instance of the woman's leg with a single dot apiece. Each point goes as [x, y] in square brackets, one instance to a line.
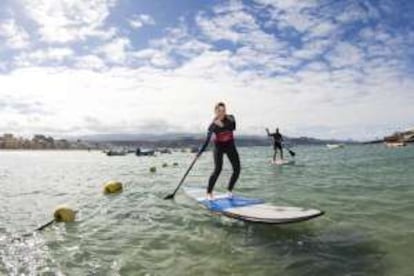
[281, 151]
[233, 156]
[218, 164]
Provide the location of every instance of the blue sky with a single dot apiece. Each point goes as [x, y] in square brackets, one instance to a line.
[332, 69]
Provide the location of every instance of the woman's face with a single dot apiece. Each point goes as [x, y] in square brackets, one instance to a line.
[220, 112]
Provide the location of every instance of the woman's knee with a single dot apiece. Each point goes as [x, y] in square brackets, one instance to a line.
[236, 169]
[216, 171]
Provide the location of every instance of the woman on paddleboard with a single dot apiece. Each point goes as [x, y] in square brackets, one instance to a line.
[222, 127]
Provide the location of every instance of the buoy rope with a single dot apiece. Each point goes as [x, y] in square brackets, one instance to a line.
[45, 225]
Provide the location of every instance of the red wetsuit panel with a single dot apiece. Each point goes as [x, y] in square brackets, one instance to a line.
[223, 137]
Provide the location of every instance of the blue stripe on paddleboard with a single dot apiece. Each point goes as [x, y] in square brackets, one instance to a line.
[221, 204]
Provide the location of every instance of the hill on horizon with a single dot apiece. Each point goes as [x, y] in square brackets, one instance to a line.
[194, 139]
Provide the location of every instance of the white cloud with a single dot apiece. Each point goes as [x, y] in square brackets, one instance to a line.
[291, 13]
[321, 29]
[288, 4]
[231, 26]
[345, 54]
[126, 100]
[116, 50]
[318, 82]
[14, 36]
[356, 11]
[163, 52]
[43, 56]
[90, 62]
[68, 20]
[257, 50]
[138, 21]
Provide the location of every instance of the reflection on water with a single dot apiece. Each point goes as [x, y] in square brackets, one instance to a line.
[367, 228]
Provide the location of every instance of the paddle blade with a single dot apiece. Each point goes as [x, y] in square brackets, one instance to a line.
[292, 153]
[171, 196]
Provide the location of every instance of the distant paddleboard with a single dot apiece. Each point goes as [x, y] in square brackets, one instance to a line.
[251, 209]
[335, 146]
[282, 162]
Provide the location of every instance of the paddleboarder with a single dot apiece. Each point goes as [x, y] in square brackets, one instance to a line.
[277, 142]
[222, 127]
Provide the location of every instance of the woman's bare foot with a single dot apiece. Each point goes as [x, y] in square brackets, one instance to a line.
[229, 194]
[210, 196]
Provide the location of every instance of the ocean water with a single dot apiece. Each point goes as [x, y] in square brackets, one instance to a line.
[366, 191]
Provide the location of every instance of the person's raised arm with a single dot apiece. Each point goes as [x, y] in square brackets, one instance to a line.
[232, 122]
[268, 132]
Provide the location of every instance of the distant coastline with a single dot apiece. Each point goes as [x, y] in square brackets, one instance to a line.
[99, 142]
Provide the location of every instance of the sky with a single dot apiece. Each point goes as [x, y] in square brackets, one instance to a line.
[326, 69]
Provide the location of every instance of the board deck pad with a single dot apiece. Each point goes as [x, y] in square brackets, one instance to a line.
[221, 204]
[251, 209]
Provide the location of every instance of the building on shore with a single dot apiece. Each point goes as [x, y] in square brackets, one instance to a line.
[401, 137]
[38, 142]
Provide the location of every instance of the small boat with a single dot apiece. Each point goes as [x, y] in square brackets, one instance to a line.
[164, 150]
[115, 153]
[335, 146]
[396, 144]
[144, 152]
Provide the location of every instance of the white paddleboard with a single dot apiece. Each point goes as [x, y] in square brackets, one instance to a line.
[335, 146]
[282, 162]
[251, 209]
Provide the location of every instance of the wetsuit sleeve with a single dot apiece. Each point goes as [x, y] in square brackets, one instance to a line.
[232, 125]
[208, 138]
[212, 127]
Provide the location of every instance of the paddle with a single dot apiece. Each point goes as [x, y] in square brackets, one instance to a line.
[171, 196]
[291, 152]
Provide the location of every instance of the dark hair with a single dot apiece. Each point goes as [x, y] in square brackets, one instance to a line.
[220, 104]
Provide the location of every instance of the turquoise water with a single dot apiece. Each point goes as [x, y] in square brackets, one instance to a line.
[366, 191]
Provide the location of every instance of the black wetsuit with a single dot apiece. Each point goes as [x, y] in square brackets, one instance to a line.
[223, 144]
[277, 143]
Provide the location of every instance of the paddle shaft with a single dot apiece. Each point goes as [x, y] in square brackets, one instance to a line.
[182, 179]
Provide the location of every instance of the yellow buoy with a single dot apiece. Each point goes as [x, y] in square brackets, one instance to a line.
[153, 169]
[64, 213]
[111, 187]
